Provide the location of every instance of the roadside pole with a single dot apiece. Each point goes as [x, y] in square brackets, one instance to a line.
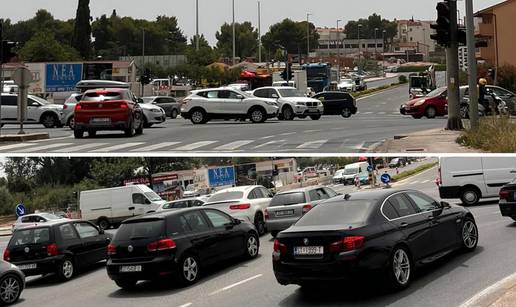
[472, 66]
[452, 66]
[22, 77]
[1, 70]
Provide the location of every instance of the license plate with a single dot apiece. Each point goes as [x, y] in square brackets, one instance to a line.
[100, 120]
[31, 266]
[285, 213]
[308, 251]
[130, 268]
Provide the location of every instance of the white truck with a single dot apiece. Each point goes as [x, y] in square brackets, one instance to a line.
[351, 171]
[107, 207]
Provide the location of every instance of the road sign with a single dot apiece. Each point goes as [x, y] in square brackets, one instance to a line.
[221, 176]
[370, 168]
[386, 178]
[62, 77]
[20, 210]
[22, 77]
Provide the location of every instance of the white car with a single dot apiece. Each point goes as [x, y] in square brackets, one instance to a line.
[292, 102]
[339, 176]
[347, 85]
[245, 203]
[35, 218]
[183, 203]
[152, 114]
[226, 103]
[39, 111]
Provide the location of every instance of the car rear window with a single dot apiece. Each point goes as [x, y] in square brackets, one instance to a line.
[30, 236]
[337, 213]
[226, 196]
[141, 229]
[288, 199]
[102, 96]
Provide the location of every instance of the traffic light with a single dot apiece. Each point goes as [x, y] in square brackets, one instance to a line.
[443, 26]
[462, 37]
[287, 74]
[7, 51]
[146, 78]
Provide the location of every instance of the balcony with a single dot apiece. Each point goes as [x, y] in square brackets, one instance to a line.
[485, 29]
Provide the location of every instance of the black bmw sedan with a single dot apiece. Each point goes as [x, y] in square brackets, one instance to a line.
[508, 200]
[177, 244]
[388, 232]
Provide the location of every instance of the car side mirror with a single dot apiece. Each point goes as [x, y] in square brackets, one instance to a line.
[101, 231]
[237, 222]
[139, 100]
[445, 205]
[147, 202]
[240, 97]
[275, 96]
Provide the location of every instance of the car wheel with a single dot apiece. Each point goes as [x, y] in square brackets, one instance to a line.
[288, 113]
[10, 289]
[470, 196]
[49, 120]
[189, 270]
[399, 268]
[66, 269]
[103, 223]
[430, 112]
[71, 123]
[469, 235]
[139, 130]
[259, 223]
[174, 114]
[346, 113]
[78, 134]
[258, 116]
[126, 284]
[198, 117]
[274, 233]
[315, 117]
[252, 245]
[92, 133]
[130, 132]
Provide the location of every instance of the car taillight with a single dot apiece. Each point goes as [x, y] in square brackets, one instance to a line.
[279, 247]
[65, 107]
[266, 213]
[161, 245]
[52, 250]
[307, 208]
[347, 244]
[111, 250]
[124, 105]
[240, 207]
[7, 254]
[504, 194]
[78, 107]
[440, 178]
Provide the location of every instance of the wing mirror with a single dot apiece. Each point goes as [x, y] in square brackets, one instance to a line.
[445, 205]
[139, 100]
[275, 96]
[101, 231]
[240, 97]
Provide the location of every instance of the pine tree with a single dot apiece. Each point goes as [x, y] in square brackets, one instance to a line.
[82, 32]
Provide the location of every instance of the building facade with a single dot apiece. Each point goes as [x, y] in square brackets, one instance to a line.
[414, 35]
[333, 42]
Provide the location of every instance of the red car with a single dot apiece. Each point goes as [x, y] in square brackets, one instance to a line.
[432, 105]
[108, 109]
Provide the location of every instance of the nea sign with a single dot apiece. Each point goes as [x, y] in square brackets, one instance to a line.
[62, 77]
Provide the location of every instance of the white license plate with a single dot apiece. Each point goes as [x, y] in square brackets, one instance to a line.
[285, 213]
[308, 251]
[31, 266]
[130, 268]
[101, 120]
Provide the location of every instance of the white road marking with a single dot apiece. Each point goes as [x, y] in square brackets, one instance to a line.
[186, 305]
[81, 147]
[382, 113]
[156, 147]
[118, 147]
[288, 133]
[234, 145]
[195, 145]
[46, 147]
[15, 146]
[367, 113]
[425, 181]
[498, 286]
[269, 143]
[312, 145]
[267, 137]
[414, 182]
[236, 284]
[311, 131]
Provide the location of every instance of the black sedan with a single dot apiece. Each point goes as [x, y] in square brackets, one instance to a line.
[338, 103]
[12, 283]
[508, 200]
[390, 232]
[177, 244]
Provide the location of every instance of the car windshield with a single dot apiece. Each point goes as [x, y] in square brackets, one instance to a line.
[30, 236]
[140, 230]
[436, 92]
[346, 81]
[147, 99]
[50, 216]
[350, 171]
[223, 196]
[152, 196]
[290, 92]
[337, 213]
[39, 99]
[102, 96]
[287, 199]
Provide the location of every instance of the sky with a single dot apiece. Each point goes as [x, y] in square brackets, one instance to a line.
[213, 13]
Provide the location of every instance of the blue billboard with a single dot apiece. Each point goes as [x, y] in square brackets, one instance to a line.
[222, 176]
[62, 77]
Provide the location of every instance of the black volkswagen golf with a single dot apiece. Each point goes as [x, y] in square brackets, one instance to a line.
[60, 247]
[177, 244]
[388, 232]
[508, 200]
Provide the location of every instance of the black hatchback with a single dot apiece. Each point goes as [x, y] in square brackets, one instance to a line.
[508, 200]
[60, 247]
[177, 244]
[338, 103]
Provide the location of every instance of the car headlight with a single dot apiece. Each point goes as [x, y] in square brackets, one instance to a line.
[420, 102]
[156, 110]
[300, 103]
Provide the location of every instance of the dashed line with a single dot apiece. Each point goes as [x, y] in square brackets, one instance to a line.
[236, 284]
[186, 305]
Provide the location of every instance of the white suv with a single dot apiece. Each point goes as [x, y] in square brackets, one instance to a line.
[226, 103]
[292, 102]
[39, 111]
[245, 202]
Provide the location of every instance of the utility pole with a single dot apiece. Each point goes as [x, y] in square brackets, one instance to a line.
[197, 25]
[338, 49]
[260, 33]
[143, 47]
[308, 35]
[452, 66]
[1, 69]
[383, 51]
[472, 66]
[376, 43]
[234, 35]
[359, 48]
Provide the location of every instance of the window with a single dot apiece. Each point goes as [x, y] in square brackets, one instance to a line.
[196, 221]
[67, 232]
[30, 236]
[32, 103]
[389, 211]
[177, 226]
[402, 205]
[338, 213]
[228, 95]
[330, 192]
[9, 101]
[423, 202]
[266, 193]
[176, 205]
[211, 94]
[223, 196]
[218, 219]
[138, 199]
[287, 199]
[262, 93]
[86, 230]
[197, 203]
[140, 229]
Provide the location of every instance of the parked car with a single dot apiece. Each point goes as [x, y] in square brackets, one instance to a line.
[62, 247]
[386, 231]
[244, 202]
[169, 104]
[179, 243]
[288, 207]
[39, 111]
[397, 162]
[34, 218]
[474, 178]
[292, 103]
[152, 114]
[226, 103]
[508, 200]
[432, 105]
[183, 203]
[338, 103]
[347, 85]
[67, 114]
[108, 109]
[12, 283]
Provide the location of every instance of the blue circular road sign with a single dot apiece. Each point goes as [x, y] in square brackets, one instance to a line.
[20, 210]
[370, 168]
[386, 178]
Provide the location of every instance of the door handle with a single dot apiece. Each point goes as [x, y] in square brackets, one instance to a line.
[132, 208]
[430, 218]
[403, 225]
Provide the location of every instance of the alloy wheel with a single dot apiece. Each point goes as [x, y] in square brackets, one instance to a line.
[257, 116]
[9, 290]
[190, 269]
[48, 121]
[67, 268]
[346, 113]
[401, 266]
[197, 117]
[252, 246]
[469, 234]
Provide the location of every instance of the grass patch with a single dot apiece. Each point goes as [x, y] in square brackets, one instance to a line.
[495, 134]
[413, 172]
[439, 67]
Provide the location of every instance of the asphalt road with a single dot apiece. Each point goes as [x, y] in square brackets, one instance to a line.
[449, 282]
[378, 120]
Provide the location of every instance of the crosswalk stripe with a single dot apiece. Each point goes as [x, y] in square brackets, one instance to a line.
[81, 147]
[425, 181]
[46, 147]
[234, 145]
[118, 147]
[312, 145]
[414, 182]
[269, 143]
[156, 147]
[15, 146]
[195, 145]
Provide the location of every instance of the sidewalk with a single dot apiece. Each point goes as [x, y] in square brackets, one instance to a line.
[387, 76]
[501, 294]
[428, 141]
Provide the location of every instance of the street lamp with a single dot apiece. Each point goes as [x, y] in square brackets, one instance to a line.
[383, 53]
[375, 43]
[259, 32]
[234, 35]
[308, 35]
[359, 47]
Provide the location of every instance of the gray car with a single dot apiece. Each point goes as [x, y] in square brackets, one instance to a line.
[67, 114]
[169, 104]
[507, 96]
[286, 208]
[12, 281]
[152, 114]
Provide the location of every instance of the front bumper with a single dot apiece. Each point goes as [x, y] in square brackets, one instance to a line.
[307, 111]
[44, 266]
[156, 118]
[414, 110]
[152, 269]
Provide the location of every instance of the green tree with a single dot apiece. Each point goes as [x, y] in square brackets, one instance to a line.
[291, 35]
[202, 57]
[246, 39]
[43, 47]
[368, 27]
[81, 39]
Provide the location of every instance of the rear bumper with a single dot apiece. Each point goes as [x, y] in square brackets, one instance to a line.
[155, 268]
[44, 266]
[449, 192]
[120, 125]
[508, 209]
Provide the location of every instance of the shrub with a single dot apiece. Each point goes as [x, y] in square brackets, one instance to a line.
[495, 134]
[402, 79]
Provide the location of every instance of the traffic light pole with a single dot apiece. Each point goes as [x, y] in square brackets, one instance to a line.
[1, 70]
[472, 66]
[452, 67]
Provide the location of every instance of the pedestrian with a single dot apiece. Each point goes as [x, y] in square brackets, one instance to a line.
[482, 82]
[357, 182]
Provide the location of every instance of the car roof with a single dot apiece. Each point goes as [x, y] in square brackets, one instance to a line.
[161, 214]
[114, 89]
[244, 188]
[49, 223]
[305, 189]
[377, 194]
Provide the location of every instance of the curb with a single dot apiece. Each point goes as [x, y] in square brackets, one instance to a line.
[24, 137]
[492, 293]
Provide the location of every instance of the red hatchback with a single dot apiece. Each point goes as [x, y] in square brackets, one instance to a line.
[108, 109]
[432, 105]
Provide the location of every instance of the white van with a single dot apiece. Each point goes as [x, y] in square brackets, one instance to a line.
[108, 207]
[474, 178]
[355, 170]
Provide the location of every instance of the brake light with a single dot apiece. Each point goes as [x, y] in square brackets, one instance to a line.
[440, 178]
[307, 208]
[161, 245]
[52, 250]
[279, 247]
[78, 107]
[124, 105]
[240, 207]
[266, 213]
[65, 107]
[504, 194]
[347, 244]
[7, 254]
[111, 250]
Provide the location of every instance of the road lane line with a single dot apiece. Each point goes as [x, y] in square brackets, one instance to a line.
[15, 146]
[46, 147]
[267, 137]
[234, 145]
[118, 147]
[81, 147]
[155, 147]
[312, 145]
[288, 133]
[186, 305]
[195, 145]
[236, 284]
[269, 143]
